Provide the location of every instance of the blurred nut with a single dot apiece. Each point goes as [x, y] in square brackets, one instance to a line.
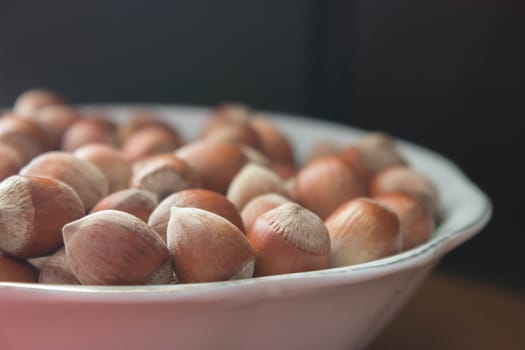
[353, 157]
[415, 217]
[16, 270]
[321, 149]
[33, 210]
[287, 239]
[216, 163]
[87, 181]
[274, 143]
[251, 181]
[110, 161]
[164, 174]
[149, 141]
[30, 101]
[242, 134]
[24, 135]
[378, 151]
[10, 161]
[206, 247]
[362, 230]
[86, 131]
[139, 203]
[326, 183]
[227, 113]
[260, 205]
[403, 179]
[55, 120]
[138, 120]
[111, 247]
[194, 198]
[56, 270]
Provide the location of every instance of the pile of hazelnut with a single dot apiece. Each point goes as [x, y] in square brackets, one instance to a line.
[86, 201]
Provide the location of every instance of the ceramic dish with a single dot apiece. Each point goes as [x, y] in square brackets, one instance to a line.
[341, 308]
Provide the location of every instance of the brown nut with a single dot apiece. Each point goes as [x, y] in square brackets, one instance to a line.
[194, 198]
[10, 161]
[24, 135]
[55, 119]
[86, 131]
[87, 181]
[30, 101]
[227, 113]
[133, 201]
[260, 205]
[149, 141]
[206, 247]
[242, 134]
[16, 270]
[32, 212]
[321, 149]
[251, 181]
[138, 120]
[403, 179]
[216, 163]
[378, 151]
[353, 157]
[415, 217]
[110, 161]
[111, 247]
[164, 174]
[362, 230]
[56, 270]
[275, 144]
[326, 183]
[288, 239]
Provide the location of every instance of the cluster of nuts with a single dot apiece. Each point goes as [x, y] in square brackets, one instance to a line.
[86, 201]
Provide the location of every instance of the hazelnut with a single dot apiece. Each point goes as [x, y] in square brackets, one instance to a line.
[149, 141]
[10, 161]
[289, 239]
[194, 198]
[260, 205]
[321, 149]
[33, 211]
[255, 156]
[111, 247]
[403, 179]
[415, 217]
[56, 270]
[252, 181]
[132, 201]
[86, 131]
[274, 143]
[216, 163]
[55, 120]
[242, 134]
[24, 135]
[362, 230]
[110, 161]
[16, 270]
[87, 181]
[326, 183]
[30, 101]
[227, 113]
[353, 158]
[206, 247]
[164, 174]
[378, 151]
[138, 120]
[285, 171]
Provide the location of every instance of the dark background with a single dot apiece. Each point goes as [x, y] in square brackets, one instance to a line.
[447, 74]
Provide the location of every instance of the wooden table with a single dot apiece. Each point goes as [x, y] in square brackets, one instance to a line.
[449, 312]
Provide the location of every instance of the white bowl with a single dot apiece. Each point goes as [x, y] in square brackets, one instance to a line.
[340, 308]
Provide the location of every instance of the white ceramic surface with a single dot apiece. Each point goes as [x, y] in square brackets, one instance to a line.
[342, 308]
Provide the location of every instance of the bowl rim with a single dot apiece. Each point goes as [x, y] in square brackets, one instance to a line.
[277, 284]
